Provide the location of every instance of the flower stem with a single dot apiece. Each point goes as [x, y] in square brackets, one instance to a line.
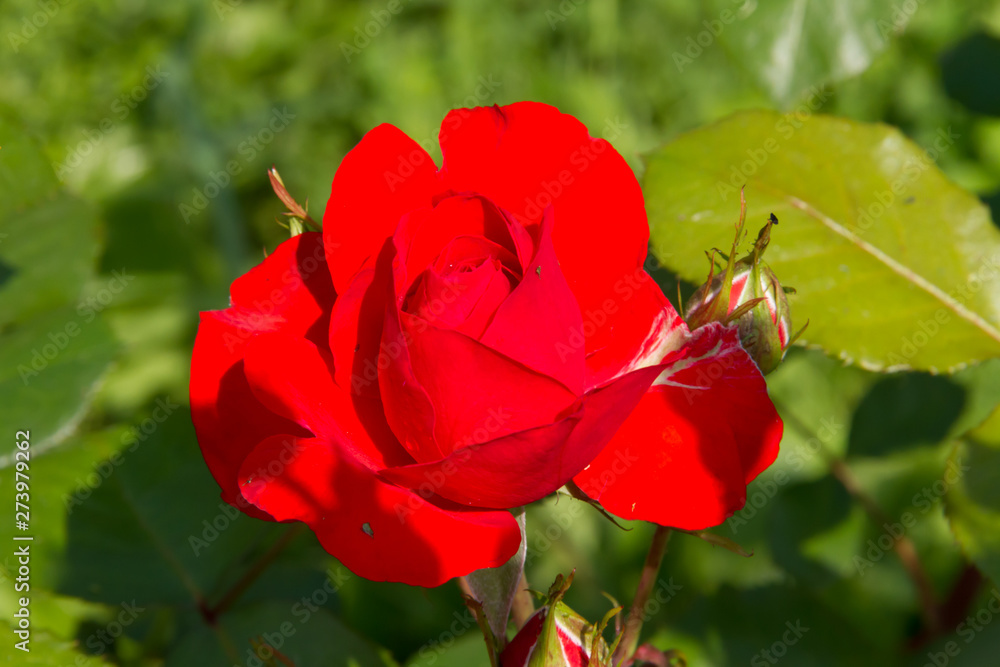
[523, 605]
[637, 614]
[256, 569]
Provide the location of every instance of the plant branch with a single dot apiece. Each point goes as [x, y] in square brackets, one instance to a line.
[256, 569]
[637, 613]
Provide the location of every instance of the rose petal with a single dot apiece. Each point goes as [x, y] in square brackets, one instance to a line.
[704, 430]
[379, 531]
[526, 156]
[645, 325]
[385, 176]
[293, 378]
[464, 301]
[441, 364]
[539, 322]
[290, 291]
[424, 233]
[525, 466]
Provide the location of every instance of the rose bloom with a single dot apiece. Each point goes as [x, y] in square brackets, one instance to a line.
[465, 340]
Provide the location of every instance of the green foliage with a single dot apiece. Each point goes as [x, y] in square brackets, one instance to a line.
[894, 266]
[133, 189]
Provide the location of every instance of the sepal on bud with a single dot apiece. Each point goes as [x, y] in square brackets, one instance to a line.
[556, 636]
[749, 295]
[297, 214]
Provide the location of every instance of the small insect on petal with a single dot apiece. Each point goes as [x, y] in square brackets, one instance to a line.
[367, 528]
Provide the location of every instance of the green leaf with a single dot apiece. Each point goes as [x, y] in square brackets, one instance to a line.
[972, 501]
[155, 529]
[49, 369]
[463, 650]
[45, 651]
[53, 350]
[303, 636]
[895, 267]
[790, 45]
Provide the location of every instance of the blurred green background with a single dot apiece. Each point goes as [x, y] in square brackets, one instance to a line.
[134, 141]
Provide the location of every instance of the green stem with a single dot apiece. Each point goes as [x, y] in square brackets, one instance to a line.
[256, 569]
[637, 614]
[523, 605]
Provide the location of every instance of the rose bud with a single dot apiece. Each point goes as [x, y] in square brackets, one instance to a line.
[556, 636]
[564, 637]
[749, 294]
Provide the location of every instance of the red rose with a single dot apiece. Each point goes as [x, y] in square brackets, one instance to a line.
[457, 342]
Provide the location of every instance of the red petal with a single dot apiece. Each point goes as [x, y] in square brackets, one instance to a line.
[703, 431]
[424, 233]
[379, 531]
[290, 291]
[537, 324]
[385, 176]
[355, 329]
[645, 325]
[292, 377]
[526, 156]
[450, 300]
[523, 467]
[476, 393]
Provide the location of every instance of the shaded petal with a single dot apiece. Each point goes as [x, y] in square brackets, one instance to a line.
[385, 176]
[441, 364]
[540, 319]
[525, 466]
[293, 378]
[291, 292]
[379, 531]
[704, 430]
